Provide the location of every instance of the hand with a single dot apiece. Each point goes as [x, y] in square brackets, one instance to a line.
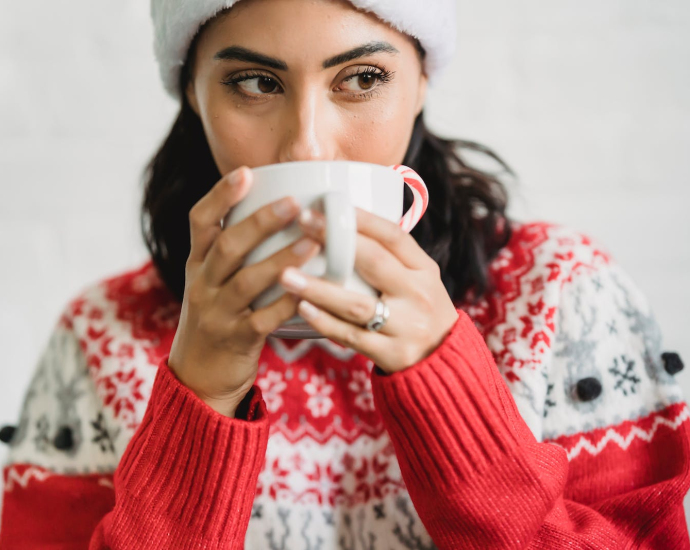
[219, 338]
[390, 260]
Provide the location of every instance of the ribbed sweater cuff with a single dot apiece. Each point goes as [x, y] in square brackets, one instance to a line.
[190, 473]
[450, 416]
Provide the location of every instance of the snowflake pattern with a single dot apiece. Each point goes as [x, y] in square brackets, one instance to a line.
[314, 389]
[120, 391]
[626, 380]
[361, 386]
[272, 385]
[319, 402]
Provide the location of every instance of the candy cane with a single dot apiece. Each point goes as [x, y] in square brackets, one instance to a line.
[420, 193]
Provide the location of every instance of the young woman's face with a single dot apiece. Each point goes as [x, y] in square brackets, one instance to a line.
[285, 80]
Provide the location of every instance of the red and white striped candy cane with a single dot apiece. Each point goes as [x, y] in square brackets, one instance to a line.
[421, 197]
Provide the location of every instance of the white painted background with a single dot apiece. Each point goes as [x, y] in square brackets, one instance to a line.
[589, 101]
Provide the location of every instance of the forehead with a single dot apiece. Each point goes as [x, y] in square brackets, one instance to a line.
[304, 31]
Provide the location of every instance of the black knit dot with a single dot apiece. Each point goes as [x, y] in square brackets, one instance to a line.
[588, 389]
[672, 362]
[7, 433]
[64, 440]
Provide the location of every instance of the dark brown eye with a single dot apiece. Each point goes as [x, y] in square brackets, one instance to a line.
[366, 81]
[266, 85]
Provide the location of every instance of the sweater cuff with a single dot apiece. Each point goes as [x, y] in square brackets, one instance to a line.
[450, 416]
[189, 470]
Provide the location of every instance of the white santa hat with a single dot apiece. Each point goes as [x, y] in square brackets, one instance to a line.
[176, 22]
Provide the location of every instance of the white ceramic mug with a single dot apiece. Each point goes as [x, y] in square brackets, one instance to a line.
[334, 188]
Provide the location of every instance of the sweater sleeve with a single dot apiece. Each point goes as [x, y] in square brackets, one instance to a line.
[480, 479]
[189, 474]
[187, 477]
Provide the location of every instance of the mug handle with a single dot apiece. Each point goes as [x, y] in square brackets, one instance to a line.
[341, 236]
[420, 193]
[341, 224]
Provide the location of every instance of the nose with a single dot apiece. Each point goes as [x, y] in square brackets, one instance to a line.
[308, 133]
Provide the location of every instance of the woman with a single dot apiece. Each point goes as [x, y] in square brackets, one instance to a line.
[517, 395]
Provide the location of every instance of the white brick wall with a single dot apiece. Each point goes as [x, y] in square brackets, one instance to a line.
[587, 100]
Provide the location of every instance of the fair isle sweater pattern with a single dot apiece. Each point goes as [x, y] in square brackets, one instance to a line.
[562, 312]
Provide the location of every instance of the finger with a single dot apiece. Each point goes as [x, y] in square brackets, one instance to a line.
[206, 215]
[346, 334]
[237, 293]
[377, 265]
[399, 243]
[236, 241]
[265, 320]
[350, 306]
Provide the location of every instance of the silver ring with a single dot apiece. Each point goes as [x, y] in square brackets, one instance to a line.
[380, 317]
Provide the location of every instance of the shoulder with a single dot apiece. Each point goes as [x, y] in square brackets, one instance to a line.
[563, 310]
[550, 252]
[136, 299]
[527, 278]
[125, 324]
[93, 378]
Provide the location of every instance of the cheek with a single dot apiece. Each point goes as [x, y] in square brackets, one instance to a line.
[237, 138]
[380, 134]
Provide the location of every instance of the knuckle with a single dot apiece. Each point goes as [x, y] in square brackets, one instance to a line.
[226, 244]
[422, 298]
[393, 236]
[242, 282]
[258, 325]
[426, 301]
[207, 324]
[195, 217]
[434, 268]
[359, 309]
[195, 295]
[263, 220]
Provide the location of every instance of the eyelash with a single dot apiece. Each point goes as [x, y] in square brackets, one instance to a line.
[382, 75]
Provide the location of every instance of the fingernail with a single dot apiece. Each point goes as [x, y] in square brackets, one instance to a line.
[307, 310]
[303, 246]
[236, 177]
[293, 280]
[285, 208]
[308, 219]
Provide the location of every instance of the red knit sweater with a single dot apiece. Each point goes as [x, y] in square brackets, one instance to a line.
[548, 418]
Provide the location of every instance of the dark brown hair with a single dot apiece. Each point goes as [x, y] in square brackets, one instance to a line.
[463, 229]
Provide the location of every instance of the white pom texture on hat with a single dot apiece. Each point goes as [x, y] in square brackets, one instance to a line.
[176, 22]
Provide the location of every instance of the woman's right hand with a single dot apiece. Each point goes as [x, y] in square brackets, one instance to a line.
[218, 341]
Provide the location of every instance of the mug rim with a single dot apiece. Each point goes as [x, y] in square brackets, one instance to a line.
[276, 165]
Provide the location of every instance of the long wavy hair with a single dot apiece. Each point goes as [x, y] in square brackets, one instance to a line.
[464, 228]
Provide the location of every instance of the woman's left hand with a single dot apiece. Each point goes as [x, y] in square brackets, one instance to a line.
[390, 260]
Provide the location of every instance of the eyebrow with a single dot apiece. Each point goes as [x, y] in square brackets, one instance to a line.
[250, 56]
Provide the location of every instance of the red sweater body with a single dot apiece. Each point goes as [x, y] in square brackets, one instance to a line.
[547, 418]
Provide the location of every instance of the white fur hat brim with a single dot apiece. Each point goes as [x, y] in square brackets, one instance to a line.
[176, 22]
